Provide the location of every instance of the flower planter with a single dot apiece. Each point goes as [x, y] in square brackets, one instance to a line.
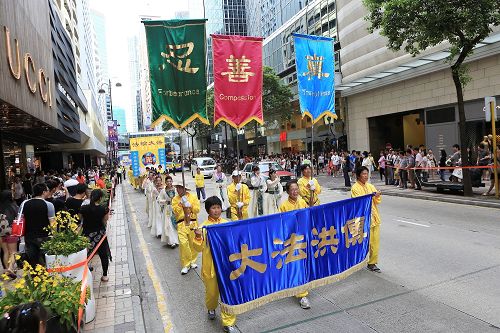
[77, 275]
[54, 326]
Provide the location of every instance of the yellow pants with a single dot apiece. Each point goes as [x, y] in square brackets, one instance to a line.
[186, 250]
[374, 244]
[234, 214]
[212, 301]
[302, 294]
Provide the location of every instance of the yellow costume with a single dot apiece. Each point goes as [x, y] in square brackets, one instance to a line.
[199, 180]
[186, 235]
[357, 190]
[288, 206]
[208, 274]
[306, 193]
[234, 197]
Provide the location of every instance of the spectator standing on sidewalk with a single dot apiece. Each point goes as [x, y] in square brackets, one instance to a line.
[8, 213]
[381, 166]
[403, 168]
[346, 168]
[492, 173]
[38, 213]
[442, 164]
[368, 163]
[360, 188]
[419, 164]
[389, 170]
[17, 190]
[336, 161]
[213, 206]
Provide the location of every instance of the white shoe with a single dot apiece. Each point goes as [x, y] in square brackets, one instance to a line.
[304, 303]
[185, 270]
[194, 266]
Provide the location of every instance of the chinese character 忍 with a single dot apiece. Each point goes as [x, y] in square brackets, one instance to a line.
[315, 67]
[171, 55]
[355, 228]
[326, 238]
[244, 256]
[237, 69]
[290, 246]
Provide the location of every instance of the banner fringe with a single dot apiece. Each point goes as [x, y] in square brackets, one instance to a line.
[233, 124]
[242, 308]
[164, 117]
[321, 116]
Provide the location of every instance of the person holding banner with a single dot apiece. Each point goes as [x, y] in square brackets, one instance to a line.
[169, 234]
[294, 202]
[213, 205]
[220, 180]
[273, 195]
[239, 197]
[158, 207]
[360, 188]
[258, 188]
[186, 208]
[309, 186]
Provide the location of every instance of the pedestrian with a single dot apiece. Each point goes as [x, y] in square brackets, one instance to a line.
[80, 178]
[169, 234]
[29, 317]
[258, 187]
[186, 208]
[73, 204]
[158, 208]
[38, 214]
[239, 197]
[367, 162]
[220, 180]
[119, 174]
[492, 173]
[389, 167]
[346, 168]
[336, 161]
[213, 206]
[360, 188]
[28, 186]
[95, 219]
[274, 193]
[431, 163]
[200, 184]
[309, 186]
[8, 213]
[442, 164]
[148, 186]
[294, 202]
[381, 166]
[17, 190]
[321, 163]
[404, 168]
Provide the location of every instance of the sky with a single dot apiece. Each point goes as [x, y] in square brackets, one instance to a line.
[122, 22]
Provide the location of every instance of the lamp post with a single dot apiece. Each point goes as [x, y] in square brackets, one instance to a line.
[112, 155]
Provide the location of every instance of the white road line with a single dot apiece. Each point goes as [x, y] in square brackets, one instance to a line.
[421, 225]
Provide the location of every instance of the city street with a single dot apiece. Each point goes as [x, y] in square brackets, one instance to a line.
[440, 265]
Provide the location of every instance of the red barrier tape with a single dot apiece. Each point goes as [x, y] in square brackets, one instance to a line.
[83, 290]
[446, 168]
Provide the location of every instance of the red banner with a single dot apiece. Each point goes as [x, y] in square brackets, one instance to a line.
[237, 79]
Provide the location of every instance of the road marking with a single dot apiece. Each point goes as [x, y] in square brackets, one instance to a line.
[421, 225]
[160, 298]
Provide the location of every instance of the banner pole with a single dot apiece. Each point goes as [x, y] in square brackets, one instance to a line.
[312, 147]
[495, 161]
[238, 170]
[182, 160]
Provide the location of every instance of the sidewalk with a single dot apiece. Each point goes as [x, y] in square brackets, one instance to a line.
[118, 305]
[426, 193]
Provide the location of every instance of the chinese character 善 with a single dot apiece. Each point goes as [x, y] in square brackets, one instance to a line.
[244, 256]
[171, 55]
[238, 69]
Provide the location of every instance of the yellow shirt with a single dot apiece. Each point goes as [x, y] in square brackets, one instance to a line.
[234, 197]
[179, 212]
[358, 190]
[305, 193]
[201, 244]
[199, 180]
[290, 205]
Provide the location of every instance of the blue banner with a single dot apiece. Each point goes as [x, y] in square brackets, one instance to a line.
[162, 157]
[315, 62]
[271, 257]
[134, 158]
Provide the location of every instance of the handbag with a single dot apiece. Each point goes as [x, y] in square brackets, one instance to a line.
[18, 225]
[5, 228]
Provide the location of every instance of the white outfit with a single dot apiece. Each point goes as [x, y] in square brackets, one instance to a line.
[149, 195]
[144, 187]
[220, 181]
[157, 218]
[367, 162]
[259, 187]
[169, 234]
[272, 200]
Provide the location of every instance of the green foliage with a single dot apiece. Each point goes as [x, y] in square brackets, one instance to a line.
[59, 294]
[65, 236]
[276, 97]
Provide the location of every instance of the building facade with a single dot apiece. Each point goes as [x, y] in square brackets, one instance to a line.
[392, 97]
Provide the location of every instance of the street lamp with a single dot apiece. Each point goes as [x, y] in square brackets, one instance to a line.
[102, 91]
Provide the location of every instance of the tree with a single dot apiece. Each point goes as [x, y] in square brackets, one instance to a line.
[416, 25]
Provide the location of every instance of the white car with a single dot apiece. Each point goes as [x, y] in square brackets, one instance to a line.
[206, 164]
[264, 167]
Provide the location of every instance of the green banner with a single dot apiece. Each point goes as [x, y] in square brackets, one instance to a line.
[176, 52]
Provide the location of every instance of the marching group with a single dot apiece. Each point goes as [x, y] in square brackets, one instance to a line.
[172, 211]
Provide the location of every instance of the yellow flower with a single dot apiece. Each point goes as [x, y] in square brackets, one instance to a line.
[17, 256]
[37, 279]
[5, 277]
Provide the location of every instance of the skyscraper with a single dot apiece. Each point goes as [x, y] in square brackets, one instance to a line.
[134, 70]
[121, 118]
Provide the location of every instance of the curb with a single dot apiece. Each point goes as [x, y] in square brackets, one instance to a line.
[468, 202]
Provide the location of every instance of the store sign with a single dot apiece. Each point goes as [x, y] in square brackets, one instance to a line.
[36, 80]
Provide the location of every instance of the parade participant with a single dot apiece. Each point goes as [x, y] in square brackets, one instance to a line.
[147, 186]
[295, 202]
[239, 197]
[258, 187]
[169, 234]
[158, 208]
[274, 193]
[186, 208]
[213, 205]
[360, 188]
[220, 180]
[200, 184]
[309, 186]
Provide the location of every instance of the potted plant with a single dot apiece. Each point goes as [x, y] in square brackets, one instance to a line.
[67, 246]
[60, 295]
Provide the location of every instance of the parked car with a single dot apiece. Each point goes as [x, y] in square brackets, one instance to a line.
[206, 164]
[264, 167]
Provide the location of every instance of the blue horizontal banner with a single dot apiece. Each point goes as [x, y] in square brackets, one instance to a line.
[271, 257]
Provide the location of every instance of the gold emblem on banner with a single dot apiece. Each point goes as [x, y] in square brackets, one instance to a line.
[172, 55]
[315, 67]
[238, 68]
